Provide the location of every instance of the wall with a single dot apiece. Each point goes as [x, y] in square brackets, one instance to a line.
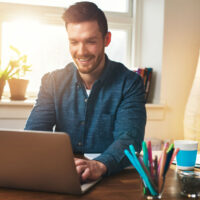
[175, 49]
[149, 41]
[181, 44]
[13, 114]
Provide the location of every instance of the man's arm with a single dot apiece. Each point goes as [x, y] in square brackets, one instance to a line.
[129, 126]
[129, 129]
[42, 116]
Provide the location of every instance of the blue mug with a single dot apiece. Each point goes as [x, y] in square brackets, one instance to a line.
[186, 157]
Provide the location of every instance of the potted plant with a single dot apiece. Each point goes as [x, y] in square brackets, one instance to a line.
[16, 81]
[6, 74]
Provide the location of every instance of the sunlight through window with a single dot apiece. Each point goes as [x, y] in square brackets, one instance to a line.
[106, 5]
[41, 35]
[45, 45]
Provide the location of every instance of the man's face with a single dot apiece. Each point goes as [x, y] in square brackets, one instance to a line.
[86, 44]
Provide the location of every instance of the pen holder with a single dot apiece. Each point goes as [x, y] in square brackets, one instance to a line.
[147, 194]
[152, 171]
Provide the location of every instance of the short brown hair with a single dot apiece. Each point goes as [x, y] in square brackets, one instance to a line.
[86, 11]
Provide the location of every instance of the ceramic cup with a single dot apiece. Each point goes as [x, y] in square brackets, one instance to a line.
[186, 157]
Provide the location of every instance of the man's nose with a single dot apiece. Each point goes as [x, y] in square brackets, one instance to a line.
[82, 50]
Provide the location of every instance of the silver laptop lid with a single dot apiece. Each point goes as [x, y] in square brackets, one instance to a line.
[37, 160]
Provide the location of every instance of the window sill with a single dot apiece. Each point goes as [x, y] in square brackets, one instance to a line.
[8, 102]
[15, 109]
[21, 110]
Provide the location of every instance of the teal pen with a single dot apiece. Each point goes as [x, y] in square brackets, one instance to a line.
[133, 159]
[133, 152]
[145, 154]
[148, 174]
[140, 171]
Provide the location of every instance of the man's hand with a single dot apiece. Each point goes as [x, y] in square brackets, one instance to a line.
[89, 169]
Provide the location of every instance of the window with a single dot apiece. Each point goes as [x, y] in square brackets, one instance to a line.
[38, 31]
[111, 5]
[44, 53]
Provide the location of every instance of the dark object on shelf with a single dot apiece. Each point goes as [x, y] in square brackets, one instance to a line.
[146, 74]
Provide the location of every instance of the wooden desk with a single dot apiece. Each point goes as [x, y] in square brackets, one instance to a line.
[123, 186]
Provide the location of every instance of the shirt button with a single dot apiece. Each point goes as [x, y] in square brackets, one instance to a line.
[82, 122]
[86, 100]
[80, 144]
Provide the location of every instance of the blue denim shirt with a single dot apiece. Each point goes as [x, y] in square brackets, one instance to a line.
[107, 121]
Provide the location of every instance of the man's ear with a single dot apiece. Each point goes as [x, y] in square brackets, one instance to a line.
[107, 39]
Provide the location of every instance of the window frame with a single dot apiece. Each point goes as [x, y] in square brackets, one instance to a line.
[52, 16]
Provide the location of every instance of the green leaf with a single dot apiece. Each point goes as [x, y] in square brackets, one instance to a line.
[16, 68]
[15, 50]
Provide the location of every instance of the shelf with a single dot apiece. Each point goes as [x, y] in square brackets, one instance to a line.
[155, 112]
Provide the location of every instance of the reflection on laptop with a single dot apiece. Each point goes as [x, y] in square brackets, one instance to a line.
[40, 161]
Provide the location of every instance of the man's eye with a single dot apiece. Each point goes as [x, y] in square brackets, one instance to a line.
[91, 42]
[73, 42]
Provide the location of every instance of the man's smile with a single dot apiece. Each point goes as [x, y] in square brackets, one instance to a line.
[84, 60]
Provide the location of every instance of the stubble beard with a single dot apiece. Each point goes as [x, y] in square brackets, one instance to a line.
[85, 69]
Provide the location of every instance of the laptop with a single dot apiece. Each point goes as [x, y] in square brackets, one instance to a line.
[39, 161]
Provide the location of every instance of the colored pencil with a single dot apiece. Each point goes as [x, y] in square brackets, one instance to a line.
[151, 170]
[133, 159]
[162, 166]
[174, 155]
[145, 154]
[150, 157]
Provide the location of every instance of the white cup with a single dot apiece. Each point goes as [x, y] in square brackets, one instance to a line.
[186, 157]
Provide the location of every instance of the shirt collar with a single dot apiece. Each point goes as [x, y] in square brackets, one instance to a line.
[106, 70]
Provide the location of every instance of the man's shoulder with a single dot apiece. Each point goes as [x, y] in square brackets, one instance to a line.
[67, 71]
[124, 78]
[120, 70]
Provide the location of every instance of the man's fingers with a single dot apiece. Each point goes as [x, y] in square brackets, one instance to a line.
[79, 162]
[89, 169]
[86, 174]
[80, 169]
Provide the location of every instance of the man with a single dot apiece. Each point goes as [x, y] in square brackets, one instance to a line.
[98, 102]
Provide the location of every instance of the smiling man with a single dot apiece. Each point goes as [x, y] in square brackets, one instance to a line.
[98, 102]
[87, 49]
